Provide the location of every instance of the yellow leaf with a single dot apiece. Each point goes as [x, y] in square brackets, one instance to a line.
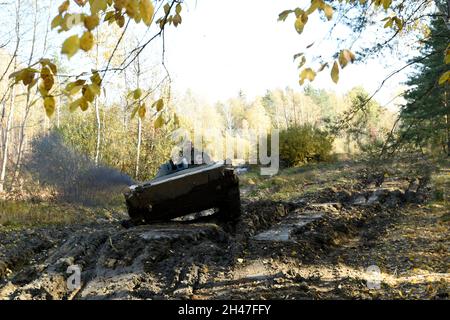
[97, 6]
[387, 4]
[49, 105]
[47, 78]
[74, 105]
[120, 4]
[328, 11]
[299, 25]
[64, 6]
[302, 62]
[346, 56]
[51, 65]
[147, 11]
[166, 9]
[109, 16]
[28, 77]
[70, 46]
[444, 78]
[90, 92]
[307, 74]
[159, 122]
[56, 21]
[132, 8]
[176, 20]
[283, 15]
[398, 23]
[91, 22]
[389, 23]
[120, 21]
[335, 72]
[315, 4]
[84, 105]
[87, 41]
[137, 93]
[142, 111]
[178, 8]
[73, 87]
[159, 105]
[95, 78]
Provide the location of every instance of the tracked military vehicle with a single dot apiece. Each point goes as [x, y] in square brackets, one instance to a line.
[179, 190]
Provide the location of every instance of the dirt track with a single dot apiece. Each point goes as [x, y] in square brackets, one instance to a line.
[355, 226]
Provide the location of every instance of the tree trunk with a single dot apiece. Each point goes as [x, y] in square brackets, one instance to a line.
[138, 151]
[98, 122]
[6, 142]
[97, 115]
[28, 101]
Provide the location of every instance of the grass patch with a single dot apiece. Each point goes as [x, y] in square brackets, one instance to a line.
[296, 182]
[20, 214]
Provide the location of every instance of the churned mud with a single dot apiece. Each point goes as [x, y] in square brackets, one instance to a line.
[320, 244]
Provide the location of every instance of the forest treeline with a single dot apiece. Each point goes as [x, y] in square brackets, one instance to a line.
[131, 120]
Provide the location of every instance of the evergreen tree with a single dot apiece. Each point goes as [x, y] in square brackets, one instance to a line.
[425, 117]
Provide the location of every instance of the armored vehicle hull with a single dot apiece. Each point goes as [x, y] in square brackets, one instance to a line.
[184, 192]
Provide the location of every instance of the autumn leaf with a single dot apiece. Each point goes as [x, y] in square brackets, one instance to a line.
[159, 104]
[91, 22]
[97, 6]
[346, 56]
[95, 78]
[56, 21]
[74, 105]
[178, 8]
[315, 4]
[328, 10]
[73, 87]
[299, 25]
[176, 20]
[87, 41]
[159, 122]
[84, 105]
[137, 93]
[132, 8]
[147, 11]
[70, 46]
[283, 15]
[387, 4]
[307, 74]
[47, 78]
[49, 105]
[142, 111]
[335, 72]
[444, 78]
[51, 65]
[64, 6]
[90, 92]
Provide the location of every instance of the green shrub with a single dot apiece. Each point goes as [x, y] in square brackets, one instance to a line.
[303, 144]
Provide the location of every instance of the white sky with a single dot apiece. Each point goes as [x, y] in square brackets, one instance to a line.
[223, 46]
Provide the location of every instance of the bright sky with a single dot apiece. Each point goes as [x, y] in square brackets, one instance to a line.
[223, 46]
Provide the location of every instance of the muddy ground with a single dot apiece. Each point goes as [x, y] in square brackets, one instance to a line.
[318, 243]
